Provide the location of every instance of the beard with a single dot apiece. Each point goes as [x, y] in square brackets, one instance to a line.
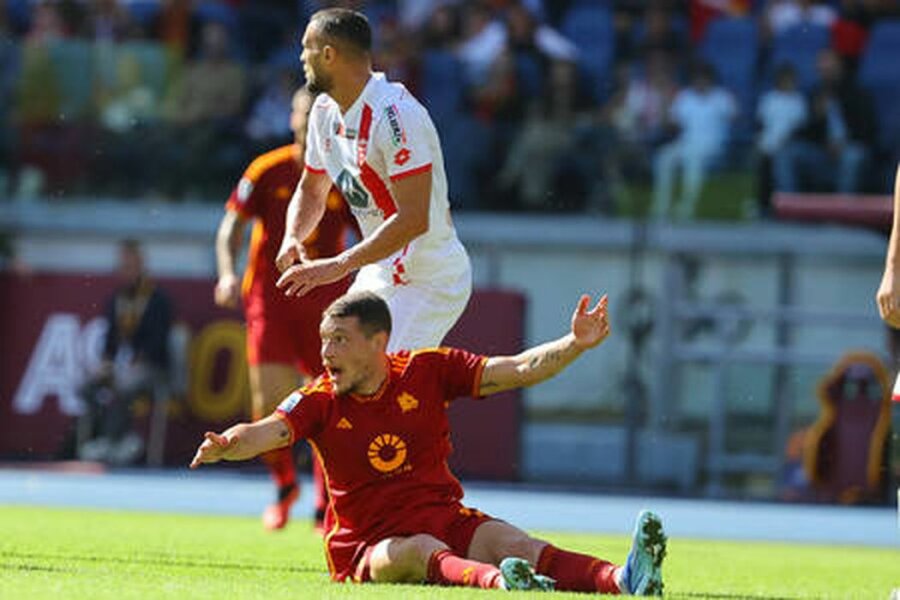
[318, 83]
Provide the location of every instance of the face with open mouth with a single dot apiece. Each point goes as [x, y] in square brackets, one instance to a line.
[352, 359]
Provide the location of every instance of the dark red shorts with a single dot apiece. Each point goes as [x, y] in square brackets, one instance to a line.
[454, 524]
[287, 332]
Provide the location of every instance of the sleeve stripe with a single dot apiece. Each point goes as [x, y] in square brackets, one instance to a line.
[479, 371]
[411, 172]
[314, 170]
[281, 415]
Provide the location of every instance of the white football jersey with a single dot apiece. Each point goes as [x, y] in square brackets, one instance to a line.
[387, 135]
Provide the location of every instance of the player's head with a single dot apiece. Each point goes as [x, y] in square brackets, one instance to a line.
[334, 39]
[300, 107]
[131, 261]
[355, 330]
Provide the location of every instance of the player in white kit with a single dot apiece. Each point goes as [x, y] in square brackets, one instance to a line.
[380, 148]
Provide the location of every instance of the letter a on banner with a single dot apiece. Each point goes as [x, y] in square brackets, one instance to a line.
[53, 369]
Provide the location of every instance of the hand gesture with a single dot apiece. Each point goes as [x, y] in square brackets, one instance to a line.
[888, 298]
[213, 449]
[590, 327]
[227, 292]
[289, 254]
[301, 278]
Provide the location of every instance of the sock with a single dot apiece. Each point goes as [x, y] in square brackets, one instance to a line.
[576, 572]
[445, 568]
[281, 466]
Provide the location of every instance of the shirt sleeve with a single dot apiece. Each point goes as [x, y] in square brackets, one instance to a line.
[244, 198]
[303, 412]
[462, 372]
[403, 135]
[314, 159]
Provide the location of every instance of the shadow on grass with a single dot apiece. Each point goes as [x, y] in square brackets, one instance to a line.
[159, 561]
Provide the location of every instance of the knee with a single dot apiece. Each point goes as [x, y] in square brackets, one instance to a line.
[520, 545]
[403, 560]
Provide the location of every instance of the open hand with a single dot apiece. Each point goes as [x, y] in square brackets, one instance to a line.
[213, 449]
[301, 278]
[590, 327]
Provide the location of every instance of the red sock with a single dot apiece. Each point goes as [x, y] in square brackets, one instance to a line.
[445, 568]
[575, 572]
[281, 466]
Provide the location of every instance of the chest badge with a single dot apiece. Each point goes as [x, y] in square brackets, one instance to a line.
[387, 452]
[407, 402]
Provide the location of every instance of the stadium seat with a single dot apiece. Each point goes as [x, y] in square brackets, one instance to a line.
[799, 46]
[143, 11]
[590, 28]
[844, 450]
[218, 12]
[879, 73]
[730, 46]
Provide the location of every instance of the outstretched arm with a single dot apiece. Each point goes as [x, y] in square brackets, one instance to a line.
[243, 441]
[540, 363]
[888, 295]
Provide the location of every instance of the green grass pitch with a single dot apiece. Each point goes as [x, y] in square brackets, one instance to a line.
[61, 554]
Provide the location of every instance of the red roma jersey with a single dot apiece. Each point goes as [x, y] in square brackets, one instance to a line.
[263, 194]
[386, 455]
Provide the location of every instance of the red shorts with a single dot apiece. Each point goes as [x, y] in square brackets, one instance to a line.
[454, 524]
[286, 331]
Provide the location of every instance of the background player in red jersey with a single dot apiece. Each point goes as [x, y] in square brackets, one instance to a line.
[282, 332]
[378, 422]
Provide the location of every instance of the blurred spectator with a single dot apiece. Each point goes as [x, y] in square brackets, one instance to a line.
[703, 11]
[831, 152]
[639, 111]
[135, 362]
[173, 25]
[781, 15]
[780, 112]
[540, 168]
[702, 113]
[108, 21]
[202, 114]
[483, 42]
[267, 124]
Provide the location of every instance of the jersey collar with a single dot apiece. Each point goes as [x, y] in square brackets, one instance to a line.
[355, 111]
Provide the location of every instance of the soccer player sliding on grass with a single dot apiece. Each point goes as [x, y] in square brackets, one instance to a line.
[378, 423]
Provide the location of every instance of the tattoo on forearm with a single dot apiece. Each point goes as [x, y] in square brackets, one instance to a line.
[283, 432]
[545, 359]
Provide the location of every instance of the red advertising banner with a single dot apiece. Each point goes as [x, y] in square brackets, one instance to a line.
[51, 333]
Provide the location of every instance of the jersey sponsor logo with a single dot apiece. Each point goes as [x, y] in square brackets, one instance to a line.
[289, 403]
[387, 452]
[244, 189]
[353, 191]
[344, 424]
[402, 157]
[407, 402]
[398, 136]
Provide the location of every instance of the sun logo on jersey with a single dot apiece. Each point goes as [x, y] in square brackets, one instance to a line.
[387, 452]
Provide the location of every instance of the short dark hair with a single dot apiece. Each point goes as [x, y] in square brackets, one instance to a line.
[371, 310]
[346, 26]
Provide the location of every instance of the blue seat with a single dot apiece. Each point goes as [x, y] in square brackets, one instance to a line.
[879, 73]
[731, 47]
[143, 11]
[218, 12]
[799, 46]
[590, 28]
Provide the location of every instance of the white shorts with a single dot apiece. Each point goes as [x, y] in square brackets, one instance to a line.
[421, 315]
